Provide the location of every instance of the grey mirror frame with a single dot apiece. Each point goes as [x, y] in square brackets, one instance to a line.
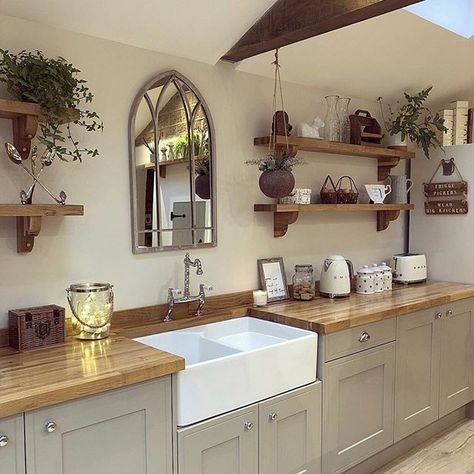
[168, 76]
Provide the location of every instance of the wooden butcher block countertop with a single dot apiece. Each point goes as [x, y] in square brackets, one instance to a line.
[326, 316]
[63, 372]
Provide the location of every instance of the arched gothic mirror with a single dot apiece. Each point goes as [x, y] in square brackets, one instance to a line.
[172, 167]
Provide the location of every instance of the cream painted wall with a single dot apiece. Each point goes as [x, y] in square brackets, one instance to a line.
[98, 246]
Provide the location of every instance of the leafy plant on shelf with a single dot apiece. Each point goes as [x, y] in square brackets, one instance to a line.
[54, 85]
[278, 159]
[413, 120]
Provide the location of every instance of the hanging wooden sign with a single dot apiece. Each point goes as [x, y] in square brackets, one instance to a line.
[458, 206]
[452, 189]
[445, 192]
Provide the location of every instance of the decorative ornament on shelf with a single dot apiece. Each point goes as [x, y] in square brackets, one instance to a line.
[277, 180]
[415, 122]
[310, 131]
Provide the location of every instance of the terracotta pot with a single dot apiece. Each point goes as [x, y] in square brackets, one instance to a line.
[203, 186]
[276, 184]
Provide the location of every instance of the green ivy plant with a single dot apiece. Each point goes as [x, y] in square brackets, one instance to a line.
[54, 85]
[415, 121]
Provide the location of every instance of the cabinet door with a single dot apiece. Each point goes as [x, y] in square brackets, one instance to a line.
[119, 432]
[12, 445]
[226, 444]
[358, 407]
[290, 432]
[456, 356]
[417, 379]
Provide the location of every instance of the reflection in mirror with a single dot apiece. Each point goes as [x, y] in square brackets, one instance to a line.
[172, 167]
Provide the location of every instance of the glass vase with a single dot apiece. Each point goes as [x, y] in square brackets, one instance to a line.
[345, 123]
[332, 125]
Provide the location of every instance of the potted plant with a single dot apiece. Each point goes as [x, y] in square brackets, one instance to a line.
[415, 122]
[277, 180]
[54, 85]
[202, 184]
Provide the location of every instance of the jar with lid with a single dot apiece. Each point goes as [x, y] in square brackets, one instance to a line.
[365, 281]
[303, 283]
[378, 278]
[387, 276]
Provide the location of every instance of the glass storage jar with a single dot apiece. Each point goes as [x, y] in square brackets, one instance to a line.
[332, 125]
[92, 306]
[303, 283]
[344, 120]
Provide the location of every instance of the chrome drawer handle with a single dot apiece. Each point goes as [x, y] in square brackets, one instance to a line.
[248, 426]
[450, 312]
[50, 426]
[439, 315]
[364, 337]
[3, 441]
[273, 416]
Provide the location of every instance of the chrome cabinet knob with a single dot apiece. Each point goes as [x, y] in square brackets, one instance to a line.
[449, 312]
[273, 416]
[50, 426]
[438, 315]
[248, 426]
[364, 337]
[3, 441]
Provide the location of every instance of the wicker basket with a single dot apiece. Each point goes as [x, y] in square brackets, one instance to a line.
[36, 327]
[347, 195]
[328, 191]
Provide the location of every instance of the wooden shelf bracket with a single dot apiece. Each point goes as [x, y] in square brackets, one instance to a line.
[24, 130]
[281, 221]
[385, 166]
[384, 218]
[27, 229]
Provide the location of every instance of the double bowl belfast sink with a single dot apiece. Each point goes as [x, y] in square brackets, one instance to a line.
[234, 363]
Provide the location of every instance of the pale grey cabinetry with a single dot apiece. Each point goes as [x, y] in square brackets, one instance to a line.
[280, 435]
[457, 356]
[12, 444]
[290, 433]
[358, 402]
[418, 362]
[123, 431]
[226, 444]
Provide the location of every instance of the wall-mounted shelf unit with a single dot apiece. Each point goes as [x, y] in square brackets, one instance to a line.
[25, 117]
[387, 158]
[286, 214]
[29, 216]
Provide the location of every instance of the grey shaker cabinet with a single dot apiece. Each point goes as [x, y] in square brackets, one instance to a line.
[226, 444]
[290, 433]
[123, 431]
[358, 410]
[418, 363]
[457, 354]
[12, 445]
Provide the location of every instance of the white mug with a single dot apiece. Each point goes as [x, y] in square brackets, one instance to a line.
[378, 192]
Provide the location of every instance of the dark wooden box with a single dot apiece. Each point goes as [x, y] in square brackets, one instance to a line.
[36, 327]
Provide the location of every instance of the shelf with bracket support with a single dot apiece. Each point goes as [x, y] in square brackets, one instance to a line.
[287, 214]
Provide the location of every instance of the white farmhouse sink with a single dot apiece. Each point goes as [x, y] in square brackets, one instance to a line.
[237, 362]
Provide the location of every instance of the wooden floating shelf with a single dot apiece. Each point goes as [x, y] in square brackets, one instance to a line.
[162, 165]
[29, 216]
[286, 214]
[25, 117]
[387, 158]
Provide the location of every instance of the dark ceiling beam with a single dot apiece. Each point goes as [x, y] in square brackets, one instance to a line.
[290, 21]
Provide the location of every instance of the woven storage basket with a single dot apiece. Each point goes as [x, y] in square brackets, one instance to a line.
[36, 327]
[328, 191]
[347, 195]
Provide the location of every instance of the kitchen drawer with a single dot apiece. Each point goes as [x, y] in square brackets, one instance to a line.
[350, 341]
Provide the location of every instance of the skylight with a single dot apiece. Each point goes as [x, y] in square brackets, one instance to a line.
[454, 15]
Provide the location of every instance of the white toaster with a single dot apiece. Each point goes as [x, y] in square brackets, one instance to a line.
[409, 268]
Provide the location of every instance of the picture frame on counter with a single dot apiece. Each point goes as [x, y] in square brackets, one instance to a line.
[272, 277]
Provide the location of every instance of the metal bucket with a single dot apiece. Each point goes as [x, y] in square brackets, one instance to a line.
[92, 305]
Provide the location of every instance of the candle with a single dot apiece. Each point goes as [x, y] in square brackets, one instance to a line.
[259, 298]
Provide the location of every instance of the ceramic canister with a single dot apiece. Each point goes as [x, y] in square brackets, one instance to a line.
[365, 281]
[378, 278]
[387, 276]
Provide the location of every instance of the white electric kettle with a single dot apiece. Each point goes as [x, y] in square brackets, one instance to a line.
[336, 277]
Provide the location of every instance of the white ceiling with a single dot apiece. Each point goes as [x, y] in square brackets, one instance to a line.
[379, 57]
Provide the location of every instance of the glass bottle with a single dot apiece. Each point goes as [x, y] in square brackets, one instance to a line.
[344, 121]
[303, 283]
[332, 125]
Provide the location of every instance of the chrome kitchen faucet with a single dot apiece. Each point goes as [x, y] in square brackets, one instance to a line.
[174, 294]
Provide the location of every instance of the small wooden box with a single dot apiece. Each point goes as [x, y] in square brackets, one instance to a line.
[36, 327]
